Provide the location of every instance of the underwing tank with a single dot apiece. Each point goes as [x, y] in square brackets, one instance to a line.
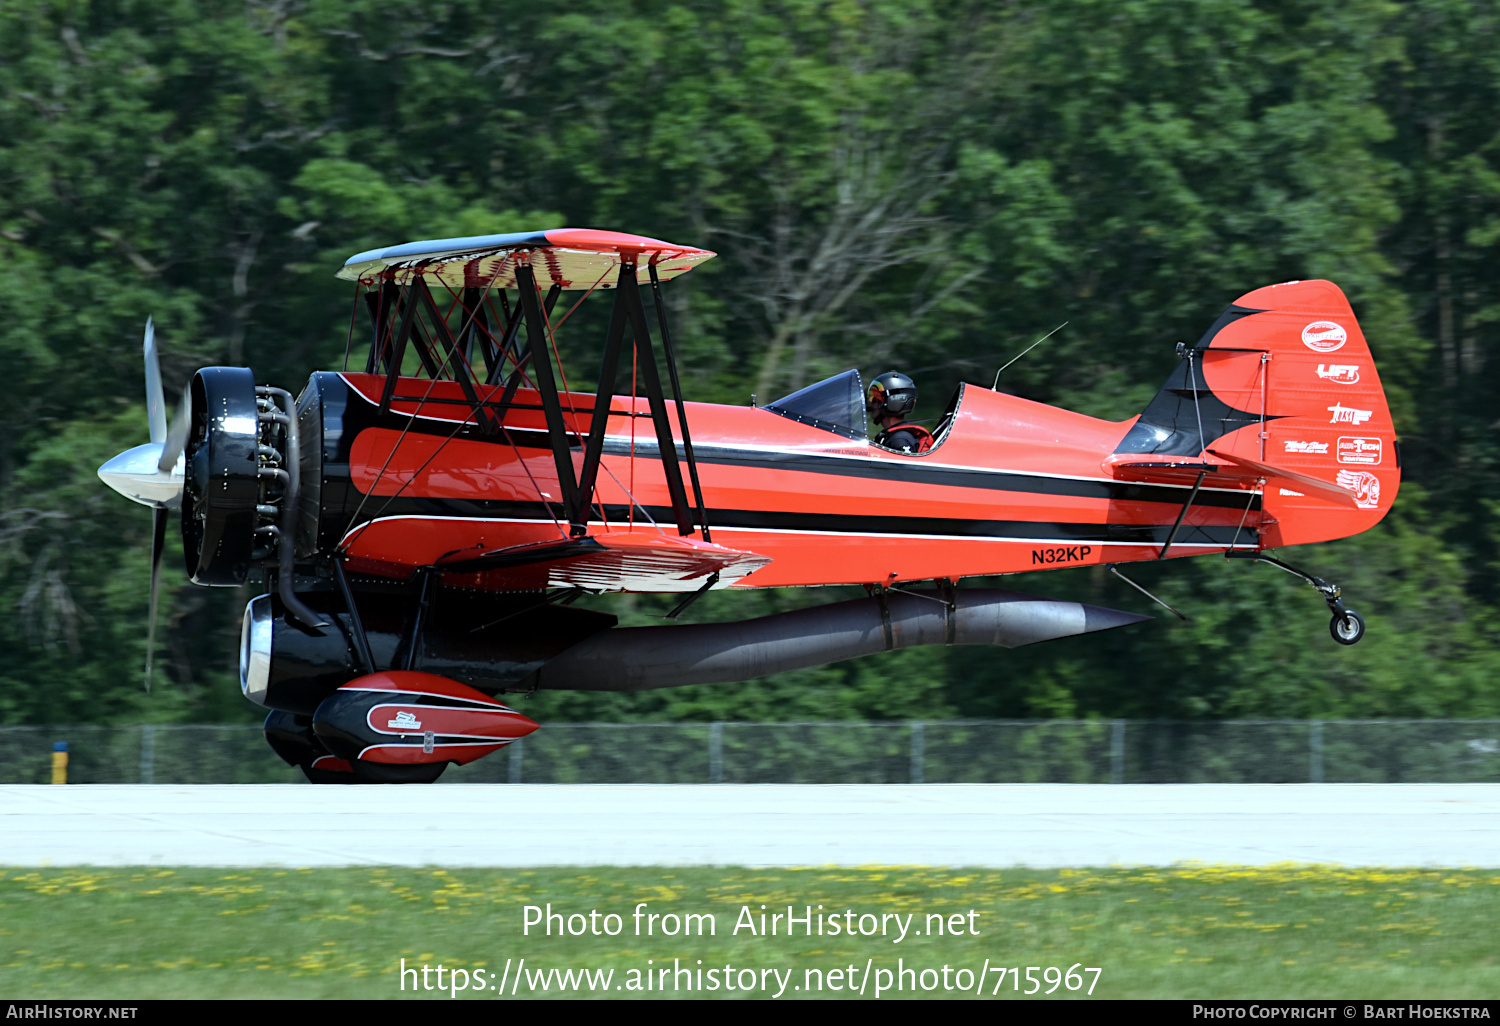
[526, 647]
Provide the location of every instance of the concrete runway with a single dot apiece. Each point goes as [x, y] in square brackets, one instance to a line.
[996, 825]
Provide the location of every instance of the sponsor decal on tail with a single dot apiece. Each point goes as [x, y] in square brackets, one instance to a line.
[1348, 415]
[1324, 336]
[1341, 373]
[1306, 448]
[1364, 485]
[1360, 450]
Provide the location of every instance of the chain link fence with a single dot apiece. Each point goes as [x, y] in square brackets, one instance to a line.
[842, 752]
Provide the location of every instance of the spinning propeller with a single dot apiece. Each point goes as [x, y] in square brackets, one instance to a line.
[152, 474]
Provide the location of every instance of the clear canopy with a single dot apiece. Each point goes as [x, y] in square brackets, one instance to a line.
[834, 404]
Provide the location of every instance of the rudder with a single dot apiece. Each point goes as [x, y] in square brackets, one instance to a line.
[1284, 377]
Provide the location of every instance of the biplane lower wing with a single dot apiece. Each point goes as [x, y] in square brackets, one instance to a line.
[608, 562]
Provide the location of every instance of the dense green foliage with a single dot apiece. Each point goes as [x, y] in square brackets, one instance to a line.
[892, 182]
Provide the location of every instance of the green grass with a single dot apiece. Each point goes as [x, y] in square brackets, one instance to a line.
[1184, 932]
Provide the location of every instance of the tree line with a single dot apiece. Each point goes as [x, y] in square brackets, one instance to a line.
[890, 183]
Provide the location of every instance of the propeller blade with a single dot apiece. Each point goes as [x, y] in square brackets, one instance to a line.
[156, 401]
[175, 437]
[158, 545]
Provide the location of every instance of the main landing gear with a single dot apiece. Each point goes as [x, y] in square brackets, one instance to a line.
[1347, 626]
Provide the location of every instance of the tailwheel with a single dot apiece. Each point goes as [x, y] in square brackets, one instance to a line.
[1348, 628]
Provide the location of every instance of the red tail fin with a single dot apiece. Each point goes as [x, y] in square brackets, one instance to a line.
[1283, 378]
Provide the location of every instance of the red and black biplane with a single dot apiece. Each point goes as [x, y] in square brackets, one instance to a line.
[425, 520]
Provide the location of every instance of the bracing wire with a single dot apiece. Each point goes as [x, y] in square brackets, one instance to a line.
[1197, 410]
[402, 436]
[1260, 482]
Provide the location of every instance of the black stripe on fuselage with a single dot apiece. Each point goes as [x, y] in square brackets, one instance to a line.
[956, 477]
[902, 471]
[844, 523]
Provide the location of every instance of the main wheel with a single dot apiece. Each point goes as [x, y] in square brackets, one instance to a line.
[328, 770]
[1347, 629]
[290, 736]
[388, 773]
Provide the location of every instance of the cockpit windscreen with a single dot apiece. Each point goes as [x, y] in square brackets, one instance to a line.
[834, 404]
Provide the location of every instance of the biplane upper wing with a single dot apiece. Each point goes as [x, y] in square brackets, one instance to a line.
[570, 258]
[398, 283]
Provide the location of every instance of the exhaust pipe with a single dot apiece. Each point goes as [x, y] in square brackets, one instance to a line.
[640, 658]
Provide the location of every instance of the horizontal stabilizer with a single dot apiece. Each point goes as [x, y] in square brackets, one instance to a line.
[1310, 485]
[1241, 471]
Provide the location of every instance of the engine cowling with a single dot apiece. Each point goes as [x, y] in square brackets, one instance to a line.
[487, 641]
[221, 488]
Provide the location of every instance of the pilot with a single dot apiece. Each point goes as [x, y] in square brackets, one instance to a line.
[890, 398]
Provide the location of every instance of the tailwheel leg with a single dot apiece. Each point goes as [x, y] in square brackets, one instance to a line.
[1347, 626]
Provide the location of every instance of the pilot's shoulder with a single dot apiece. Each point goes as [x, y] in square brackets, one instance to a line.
[900, 438]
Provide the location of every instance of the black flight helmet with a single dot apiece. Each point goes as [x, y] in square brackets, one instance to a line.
[891, 394]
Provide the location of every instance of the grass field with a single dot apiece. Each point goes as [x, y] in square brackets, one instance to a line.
[1187, 932]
